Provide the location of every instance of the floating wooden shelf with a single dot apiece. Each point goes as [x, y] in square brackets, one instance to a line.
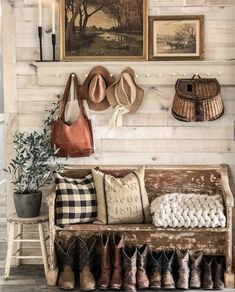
[147, 73]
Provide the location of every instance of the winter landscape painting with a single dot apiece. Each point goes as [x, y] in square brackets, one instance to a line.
[176, 37]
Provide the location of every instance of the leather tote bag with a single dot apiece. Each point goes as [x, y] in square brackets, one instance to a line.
[197, 100]
[75, 140]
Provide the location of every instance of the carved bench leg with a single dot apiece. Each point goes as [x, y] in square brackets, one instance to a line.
[53, 272]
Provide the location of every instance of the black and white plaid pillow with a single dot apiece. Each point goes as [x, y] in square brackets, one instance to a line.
[75, 200]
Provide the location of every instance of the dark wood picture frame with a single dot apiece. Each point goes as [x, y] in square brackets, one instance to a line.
[173, 48]
[101, 42]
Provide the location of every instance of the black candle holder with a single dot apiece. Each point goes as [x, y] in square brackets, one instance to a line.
[53, 39]
[40, 42]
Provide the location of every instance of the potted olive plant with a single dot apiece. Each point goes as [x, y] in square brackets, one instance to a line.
[31, 168]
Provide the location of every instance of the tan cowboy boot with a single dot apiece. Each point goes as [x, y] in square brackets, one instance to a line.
[86, 249]
[168, 279]
[65, 251]
[156, 270]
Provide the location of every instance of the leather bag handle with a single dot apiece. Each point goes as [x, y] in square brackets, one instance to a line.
[66, 94]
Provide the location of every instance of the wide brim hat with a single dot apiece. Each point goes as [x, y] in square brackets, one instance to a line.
[125, 91]
[94, 88]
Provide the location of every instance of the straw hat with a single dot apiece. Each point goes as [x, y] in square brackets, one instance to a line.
[124, 91]
[94, 88]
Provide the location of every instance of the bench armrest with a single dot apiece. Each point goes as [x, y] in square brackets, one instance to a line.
[227, 194]
[50, 199]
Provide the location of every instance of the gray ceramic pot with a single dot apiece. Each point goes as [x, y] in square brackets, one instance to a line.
[28, 205]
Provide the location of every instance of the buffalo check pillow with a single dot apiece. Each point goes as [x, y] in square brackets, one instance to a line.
[75, 200]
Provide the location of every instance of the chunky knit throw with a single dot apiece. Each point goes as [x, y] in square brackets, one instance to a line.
[188, 210]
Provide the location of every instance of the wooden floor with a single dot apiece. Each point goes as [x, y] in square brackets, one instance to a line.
[31, 278]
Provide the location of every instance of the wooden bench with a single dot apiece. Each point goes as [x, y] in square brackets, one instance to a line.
[209, 179]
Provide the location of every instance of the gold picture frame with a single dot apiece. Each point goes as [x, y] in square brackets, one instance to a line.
[103, 41]
[176, 37]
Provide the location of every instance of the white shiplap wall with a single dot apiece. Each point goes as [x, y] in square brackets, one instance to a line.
[152, 135]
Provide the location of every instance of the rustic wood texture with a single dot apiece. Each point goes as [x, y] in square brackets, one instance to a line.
[160, 180]
[29, 90]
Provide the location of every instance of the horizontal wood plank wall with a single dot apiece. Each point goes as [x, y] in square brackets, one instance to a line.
[152, 135]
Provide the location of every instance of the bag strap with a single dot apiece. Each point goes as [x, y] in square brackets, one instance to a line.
[66, 94]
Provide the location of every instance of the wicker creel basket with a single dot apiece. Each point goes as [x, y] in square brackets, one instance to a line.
[197, 100]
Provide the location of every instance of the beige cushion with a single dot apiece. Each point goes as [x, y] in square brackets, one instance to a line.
[121, 200]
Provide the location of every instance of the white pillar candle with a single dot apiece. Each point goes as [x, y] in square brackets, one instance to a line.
[53, 17]
[39, 12]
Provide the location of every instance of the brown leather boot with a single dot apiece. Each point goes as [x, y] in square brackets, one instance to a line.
[219, 274]
[116, 280]
[168, 279]
[86, 251]
[65, 251]
[195, 276]
[156, 270]
[207, 278]
[141, 275]
[104, 279]
[184, 271]
[130, 268]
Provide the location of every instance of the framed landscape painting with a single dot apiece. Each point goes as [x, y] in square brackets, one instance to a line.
[103, 30]
[176, 37]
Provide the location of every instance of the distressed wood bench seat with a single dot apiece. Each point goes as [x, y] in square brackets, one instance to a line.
[160, 180]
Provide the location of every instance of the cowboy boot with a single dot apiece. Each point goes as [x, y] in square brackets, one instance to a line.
[195, 277]
[168, 279]
[141, 275]
[116, 280]
[207, 279]
[219, 274]
[130, 268]
[156, 270]
[184, 271]
[104, 280]
[86, 249]
[65, 251]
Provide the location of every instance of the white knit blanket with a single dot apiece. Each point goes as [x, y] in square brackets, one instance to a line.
[188, 210]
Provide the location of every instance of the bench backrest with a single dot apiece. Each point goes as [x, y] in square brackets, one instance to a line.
[166, 179]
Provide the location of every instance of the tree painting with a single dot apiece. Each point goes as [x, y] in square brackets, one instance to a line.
[104, 27]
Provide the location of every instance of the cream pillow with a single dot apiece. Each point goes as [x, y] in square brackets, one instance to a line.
[121, 200]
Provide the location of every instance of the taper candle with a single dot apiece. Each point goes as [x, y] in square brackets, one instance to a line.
[39, 12]
[53, 18]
